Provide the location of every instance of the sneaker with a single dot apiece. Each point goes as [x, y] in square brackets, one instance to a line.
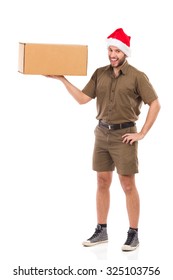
[132, 241]
[99, 236]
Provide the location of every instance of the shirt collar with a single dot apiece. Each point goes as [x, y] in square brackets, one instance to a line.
[124, 67]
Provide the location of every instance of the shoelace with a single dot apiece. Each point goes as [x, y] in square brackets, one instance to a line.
[97, 231]
[130, 237]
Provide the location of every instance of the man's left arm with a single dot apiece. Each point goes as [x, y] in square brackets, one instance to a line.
[154, 108]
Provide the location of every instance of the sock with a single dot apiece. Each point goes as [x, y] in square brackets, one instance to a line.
[103, 225]
[134, 228]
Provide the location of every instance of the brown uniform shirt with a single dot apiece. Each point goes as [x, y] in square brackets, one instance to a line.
[119, 99]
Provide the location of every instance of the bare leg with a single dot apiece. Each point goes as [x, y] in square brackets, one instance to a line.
[104, 180]
[132, 199]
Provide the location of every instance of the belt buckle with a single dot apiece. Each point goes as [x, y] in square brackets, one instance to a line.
[109, 126]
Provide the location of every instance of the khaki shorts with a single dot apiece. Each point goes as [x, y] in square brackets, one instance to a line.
[110, 152]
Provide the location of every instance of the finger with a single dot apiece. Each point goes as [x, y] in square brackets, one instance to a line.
[125, 135]
[126, 140]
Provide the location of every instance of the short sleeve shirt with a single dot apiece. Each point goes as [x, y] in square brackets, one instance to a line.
[119, 99]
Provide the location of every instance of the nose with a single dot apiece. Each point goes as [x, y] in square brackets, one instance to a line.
[112, 54]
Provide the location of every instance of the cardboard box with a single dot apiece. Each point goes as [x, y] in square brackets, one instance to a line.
[52, 59]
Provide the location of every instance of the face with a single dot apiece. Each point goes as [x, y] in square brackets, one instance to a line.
[116, 56]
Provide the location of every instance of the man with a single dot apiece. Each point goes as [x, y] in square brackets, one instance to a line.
[120, 90]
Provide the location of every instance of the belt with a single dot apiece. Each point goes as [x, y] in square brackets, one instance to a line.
[116, 126]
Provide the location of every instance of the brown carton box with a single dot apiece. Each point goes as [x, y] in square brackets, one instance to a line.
[52, 59]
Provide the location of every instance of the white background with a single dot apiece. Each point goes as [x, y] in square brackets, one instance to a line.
[47, 186]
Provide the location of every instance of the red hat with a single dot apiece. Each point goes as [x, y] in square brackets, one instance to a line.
[120, 40]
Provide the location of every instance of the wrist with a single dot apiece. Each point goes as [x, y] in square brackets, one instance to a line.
[142, 134]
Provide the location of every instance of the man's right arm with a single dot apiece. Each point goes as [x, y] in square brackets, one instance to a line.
[76, 93]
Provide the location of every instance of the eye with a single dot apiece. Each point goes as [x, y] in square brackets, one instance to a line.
[110, 49]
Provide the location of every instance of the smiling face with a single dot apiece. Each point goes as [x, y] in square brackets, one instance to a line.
[116, 56]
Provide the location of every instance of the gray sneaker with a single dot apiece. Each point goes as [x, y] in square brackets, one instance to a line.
[99, 236]
[132, 241]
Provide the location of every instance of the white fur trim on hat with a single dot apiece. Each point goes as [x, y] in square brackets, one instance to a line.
[120, 45]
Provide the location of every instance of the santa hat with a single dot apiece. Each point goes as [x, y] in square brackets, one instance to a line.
[120, 40]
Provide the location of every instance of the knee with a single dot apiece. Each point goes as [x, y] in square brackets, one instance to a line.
[127, 183]
[127, 188]
[104, 181]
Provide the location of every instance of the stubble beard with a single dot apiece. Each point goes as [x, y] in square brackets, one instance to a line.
[119, 64]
